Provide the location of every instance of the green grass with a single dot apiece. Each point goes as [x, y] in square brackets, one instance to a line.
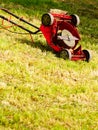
[39, 91]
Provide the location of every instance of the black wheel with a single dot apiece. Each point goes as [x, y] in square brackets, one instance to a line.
[47, 19]
[65, 54]
[87, 55]
[75, 19]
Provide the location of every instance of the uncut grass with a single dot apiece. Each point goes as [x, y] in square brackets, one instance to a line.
[41, 91]
[46, 91]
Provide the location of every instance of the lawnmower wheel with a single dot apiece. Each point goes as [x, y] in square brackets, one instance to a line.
[65, 54]
[87, 55]
[47, 19]
[75, 19]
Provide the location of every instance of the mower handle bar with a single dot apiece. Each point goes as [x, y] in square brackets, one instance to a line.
[2, 17]
[21, 19]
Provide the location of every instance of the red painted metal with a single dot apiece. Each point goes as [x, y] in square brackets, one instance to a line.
[61, 22]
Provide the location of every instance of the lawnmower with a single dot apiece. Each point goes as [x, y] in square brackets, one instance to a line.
[60, 31]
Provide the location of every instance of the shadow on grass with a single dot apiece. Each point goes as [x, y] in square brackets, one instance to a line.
[36, 44]
[30, 7]
[81, 7]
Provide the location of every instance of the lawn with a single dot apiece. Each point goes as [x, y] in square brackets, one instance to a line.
[38, 90]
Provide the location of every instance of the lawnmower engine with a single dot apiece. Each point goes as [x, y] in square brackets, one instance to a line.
[60, 31]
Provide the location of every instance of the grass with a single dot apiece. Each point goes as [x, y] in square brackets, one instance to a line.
[39, 91]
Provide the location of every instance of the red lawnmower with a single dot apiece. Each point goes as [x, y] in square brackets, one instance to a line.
[60, 31]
